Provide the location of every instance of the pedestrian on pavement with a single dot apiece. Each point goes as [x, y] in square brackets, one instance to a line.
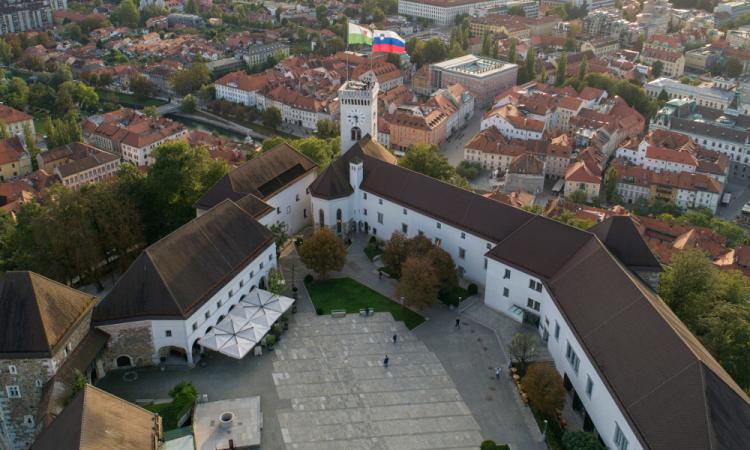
[380, 275]
[497, 373]
[385, 361]
[458, 322]
[395, 338]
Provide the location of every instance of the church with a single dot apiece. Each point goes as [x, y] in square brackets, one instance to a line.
[639, 378]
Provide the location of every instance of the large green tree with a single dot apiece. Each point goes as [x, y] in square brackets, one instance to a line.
[190, 79]
[126, 14]
[323, 252]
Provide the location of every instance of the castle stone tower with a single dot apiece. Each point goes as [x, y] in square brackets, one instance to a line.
[358, 104]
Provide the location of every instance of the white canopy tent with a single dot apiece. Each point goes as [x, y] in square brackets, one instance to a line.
[246, 325]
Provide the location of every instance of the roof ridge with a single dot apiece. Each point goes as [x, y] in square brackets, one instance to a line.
[39, 311]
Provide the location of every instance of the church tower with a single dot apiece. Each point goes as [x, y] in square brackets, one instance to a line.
[358, 105]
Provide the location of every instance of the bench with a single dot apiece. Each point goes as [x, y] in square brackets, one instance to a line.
[338, 313]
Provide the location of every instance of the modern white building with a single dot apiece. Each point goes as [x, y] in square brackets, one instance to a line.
[272, 187]
[705, 94]
[183, 285]
[630, 365]
[442, 12]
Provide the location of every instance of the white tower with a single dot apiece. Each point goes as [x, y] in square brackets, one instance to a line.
[358, 105]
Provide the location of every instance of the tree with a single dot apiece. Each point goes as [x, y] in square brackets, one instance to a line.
[327, 128]
[79, 383]
[610, 186]
[64, 104]
[444, 269]
[522, 349]
[207, 92]
[322, 151]
[426, 159]
[31, 146]
[486, 45]
[126, 14]
[378, 15]
[468, 169]
[272, 117]
[725, 331]
[395, 252]
[580, 440]
[562, 69]
[6, 52]
[191, 79]
[141, 86]
[418, 285]
[516, 11]
[530, 64]
[578, 196]
[688, 285]
[544, 386]
[280, 235]
[512, 57]
[41, 96]
[323, 252]
[733, 67]
[663, 96]
[4, 133]
[656, 68]
[582, 69]
[188, 103]
[150, 111]
[276, 282]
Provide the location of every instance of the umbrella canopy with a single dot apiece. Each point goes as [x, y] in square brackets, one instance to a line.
[254, 333]
[268, 301]
[215, 339]
[232, 323]
[237, 347]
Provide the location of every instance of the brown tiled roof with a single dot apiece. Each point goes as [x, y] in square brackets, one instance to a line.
[675, 156]
[243, 81]
[262, 176]
[622, 238]
[10, 115]
[11, 150]
[176, 275]
[37, 314]
[79, 157]
[526, 163]
[96, 420]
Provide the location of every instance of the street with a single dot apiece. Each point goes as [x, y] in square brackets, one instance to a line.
[453, 149]
[740, 196]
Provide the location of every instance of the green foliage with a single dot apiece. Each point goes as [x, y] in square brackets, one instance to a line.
[610, 186]
[126, 14]
[512, 56]
[733, 68]
[516, 11]
[715, 305]
[191, 79]
[141, 86]
[79, 383]
[276, 282]
[562, 69]
[580, 440]
[544, 386]
[272, 117]
[327, 128]
[569, 218]
[150, 111]
[427, 160]
[522, 349]
[468, 169]
[656, 69]
[188, 103]
[577, 196]
[280, 235]
[63, 131]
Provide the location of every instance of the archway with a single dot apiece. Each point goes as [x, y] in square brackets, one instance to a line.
[321, 218]
[262, 283]
[173, 355]
[339, 225]
[356, 134]
[124, 361]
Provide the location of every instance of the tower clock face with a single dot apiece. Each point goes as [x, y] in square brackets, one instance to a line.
[356, 118]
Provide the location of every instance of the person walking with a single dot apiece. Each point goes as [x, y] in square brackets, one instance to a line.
[458, 322]
[497, 373]
[385, 361]
[395, 338]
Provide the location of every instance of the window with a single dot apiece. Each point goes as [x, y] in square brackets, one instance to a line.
[404, 211]
[28, 421]
[485, 263]
[296, 198]
[404, 228]
[13, 391]
[380, 218]
[364, 195]
[168, 333]
[12, 370]
[252, 274]
[364, 212]
[463, 235]
[439, 225]
[557, 331]
[589, 386]
[261, 266]
[278, 210]
[533, 304]
[289, 209]
[437, 242]
[270, 257]
[535, 285]
[461, 253]
[506, 292]
[489, 246]
[572, 358]
[208, 314]
[304, 213]
[507, 274]
[195, 326]
[38, 383]
[380, 201]
[620, 440]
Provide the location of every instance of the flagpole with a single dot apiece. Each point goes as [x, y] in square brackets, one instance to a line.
[347, 50]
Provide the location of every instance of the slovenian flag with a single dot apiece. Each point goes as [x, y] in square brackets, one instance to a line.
[359, 35]
[388, 42]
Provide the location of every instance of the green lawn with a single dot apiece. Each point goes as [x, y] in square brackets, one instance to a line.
[345, 293]
[169, 414]
[129, 100]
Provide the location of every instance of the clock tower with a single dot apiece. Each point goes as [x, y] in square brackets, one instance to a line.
[358, 105]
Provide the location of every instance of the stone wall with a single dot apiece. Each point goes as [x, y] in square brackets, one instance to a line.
[131, 339]
[30, 377]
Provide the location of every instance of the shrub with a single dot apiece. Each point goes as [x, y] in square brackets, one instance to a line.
[472, 289]
[469, 170]
[580, 440]
[319, 311]
[488, 445]
[308, 278]
[544, 386]
[372, 240]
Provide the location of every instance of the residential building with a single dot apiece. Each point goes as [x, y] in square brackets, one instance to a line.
[16, 17]
[386, 74]
[78, 164]
[273, 185]
[259, 53]
[239, 87]
[654, 17]
[16, 121]
[442, 12]
[673, 62]
[601, 46]
[530, 8]
[187, 20]
[511, 26]
[565, 282]
[513, 123]
[45, 335]
[726, 132]
[706, 94]
[483, 77]
[298, 109]
[169, 299]
[15, 161]
[417, 125]
[702, 59]
[585, 174]
[525, 174]
[96, 419]
[730, 10]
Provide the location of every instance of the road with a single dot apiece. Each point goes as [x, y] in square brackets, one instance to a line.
[453, 149]
[740, 196]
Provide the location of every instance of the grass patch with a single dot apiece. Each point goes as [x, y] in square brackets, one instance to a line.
[170, 413]
[347, 294]
[128, 99]
[40, 126]
[451, 297]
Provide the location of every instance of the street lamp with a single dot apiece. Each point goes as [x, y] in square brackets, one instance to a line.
[544, 433]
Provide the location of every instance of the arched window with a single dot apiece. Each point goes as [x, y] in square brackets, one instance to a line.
[356, 134]
[321, 218]
[124, 361]
[338, 220]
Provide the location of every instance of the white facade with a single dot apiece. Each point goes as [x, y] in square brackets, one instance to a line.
[442, 15]
[688, 198]
[141, 156]
[639, 156]
[291, 205]
[358, 112]
[184, 333]
[510, 291]
[710, 97]
[509, 130]
[632, 192]
[291, 114]
[231, 92]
